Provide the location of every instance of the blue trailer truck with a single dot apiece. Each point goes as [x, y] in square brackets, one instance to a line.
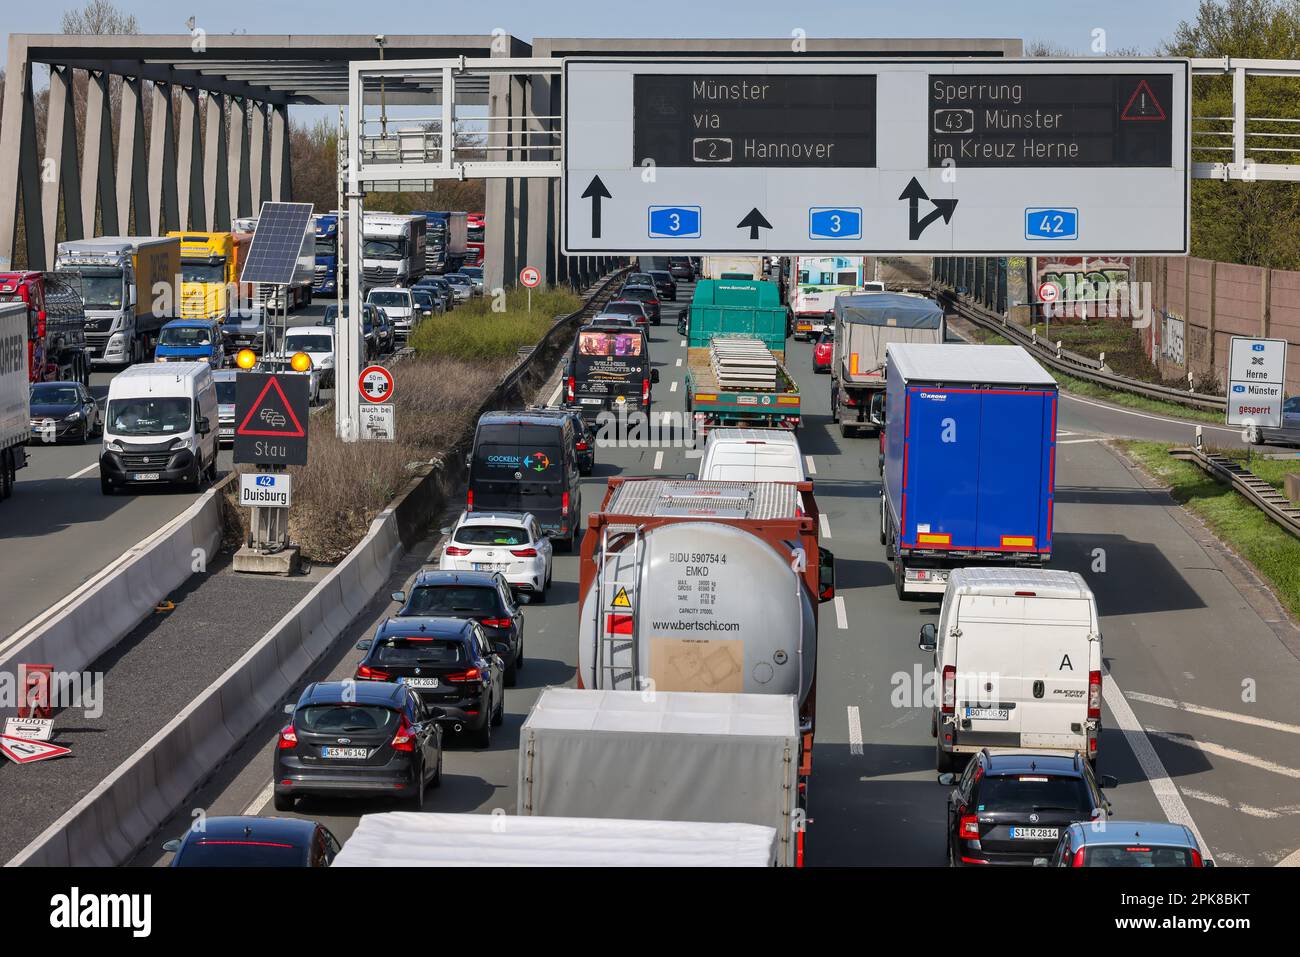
[329, 239]
[969, 461]
[445, 248]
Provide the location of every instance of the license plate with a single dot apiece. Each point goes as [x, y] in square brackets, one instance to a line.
[591, 401]
[1035, 833]
[327, 752]
[145, 477]
[488, 567]
[422, 682]
[989, 714]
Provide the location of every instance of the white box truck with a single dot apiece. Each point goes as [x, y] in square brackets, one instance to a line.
[665, 756]
[15, 417]
[408, 839]
[392, 251]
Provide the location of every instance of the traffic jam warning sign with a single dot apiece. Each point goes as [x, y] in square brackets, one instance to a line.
[28, 750]
[272, 415]
[375, 384]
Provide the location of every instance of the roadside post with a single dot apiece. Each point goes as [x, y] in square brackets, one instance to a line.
[378, 416]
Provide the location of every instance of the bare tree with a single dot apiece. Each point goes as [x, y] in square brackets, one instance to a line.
[99, 18]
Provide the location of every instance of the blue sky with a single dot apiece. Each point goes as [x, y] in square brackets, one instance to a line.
[1127, 24]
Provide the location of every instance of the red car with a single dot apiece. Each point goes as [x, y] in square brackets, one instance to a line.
[823, 350]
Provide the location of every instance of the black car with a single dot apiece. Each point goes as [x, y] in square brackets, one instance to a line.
[439, 287]
[665, 283]
[584, 436]
[1010, 808]
[358, 739]
[649, 295]
[483, 597]
[682, 268]
[64, 411]
[449, 662]
[254, 842]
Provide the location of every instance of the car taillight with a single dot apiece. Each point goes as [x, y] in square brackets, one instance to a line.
[367, 673]
[458, 552]
[524, 552]
[970, 827]
[1094, 694]
[581, 446]
[564, 504]
[572, 382]
[949, 689]
[1196, 859]
[472, 674]
[496, 622]
[850, 401]
[645, 391]
[288, 737]
[469, 501]
[1078, 858]
[404, 740]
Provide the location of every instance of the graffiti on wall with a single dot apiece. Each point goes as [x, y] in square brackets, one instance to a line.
[1172, 337]
[1095, 286]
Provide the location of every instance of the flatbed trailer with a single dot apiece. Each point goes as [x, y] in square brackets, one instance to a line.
[712, 403]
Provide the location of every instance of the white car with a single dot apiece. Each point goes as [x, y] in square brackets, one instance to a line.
[318, 343]
[511, 543]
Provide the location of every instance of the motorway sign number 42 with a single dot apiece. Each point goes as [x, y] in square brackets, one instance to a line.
[266, 489]
[1256, 381]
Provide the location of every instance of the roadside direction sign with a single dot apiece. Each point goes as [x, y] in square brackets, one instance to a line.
[378, 421]
[271, 418]
[530, 276]
[29, 750]
[266, 489]
[375, 384]
[941, 156]
[1256, 381]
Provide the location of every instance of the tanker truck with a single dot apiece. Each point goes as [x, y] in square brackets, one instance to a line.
[705, 587]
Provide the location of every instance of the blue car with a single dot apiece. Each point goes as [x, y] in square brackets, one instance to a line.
[191, 340]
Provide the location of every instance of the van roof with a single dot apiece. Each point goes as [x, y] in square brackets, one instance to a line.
[520, 418]
[770, 436]
[952, 362]
[1005, 582]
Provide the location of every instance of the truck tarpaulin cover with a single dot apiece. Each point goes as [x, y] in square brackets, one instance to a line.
[889, 309]
[866, 324]
[408, 839]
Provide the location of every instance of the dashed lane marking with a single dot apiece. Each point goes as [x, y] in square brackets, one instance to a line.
[841, 613]
[812, 466]
[825, 525]
[1214, 712]
[855, 730]
[1225, 752]
[659, 460]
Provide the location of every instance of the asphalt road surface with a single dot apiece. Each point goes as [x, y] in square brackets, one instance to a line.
[1199, 724]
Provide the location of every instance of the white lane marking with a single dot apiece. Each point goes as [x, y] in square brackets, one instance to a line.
[826, 526]
[812, 466]
[262, 799]
[841, 613]
[679, 362]
[1166, 792]
[683, 344]
[1147, 415]
[855, 730]
[1267, 814]
[1214, 712]
[89, 468]
[1060, 432]
[659, 460]
[555, 396]
[666, 418]
[1291, 860]
[1225, 752]
[673, 387]
[1076, 441]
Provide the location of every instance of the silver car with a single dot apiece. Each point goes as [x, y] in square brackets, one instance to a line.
[1288, 434]
[225, 382]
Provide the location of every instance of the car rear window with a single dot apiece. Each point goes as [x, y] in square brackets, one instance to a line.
[624, 309]
[643, 294]
[455, 601]
[329, 718]
[418, 651]
[491, 535]
[1034, 792]
[1138, 855]
[241, 852]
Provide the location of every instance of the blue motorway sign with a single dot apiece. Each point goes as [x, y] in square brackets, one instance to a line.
[1051, 223]
[833, 222]
[674, 222]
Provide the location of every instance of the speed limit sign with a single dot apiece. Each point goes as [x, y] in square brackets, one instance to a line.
[530, 276]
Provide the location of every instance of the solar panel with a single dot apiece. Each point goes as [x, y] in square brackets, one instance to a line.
[282, 228]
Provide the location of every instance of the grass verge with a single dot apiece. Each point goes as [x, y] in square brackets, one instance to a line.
[493, 327]
[1273, 552]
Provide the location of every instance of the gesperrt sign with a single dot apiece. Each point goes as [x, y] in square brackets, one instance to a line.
[1256, 381]
[943, 156]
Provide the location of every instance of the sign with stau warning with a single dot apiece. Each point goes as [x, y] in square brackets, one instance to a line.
[271, 418]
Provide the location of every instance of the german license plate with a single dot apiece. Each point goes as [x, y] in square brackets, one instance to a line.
[488, 567]
[328, 752]
[591, 401]
[989, 714]
[422, 682]
[145, 477]
[1035, 833]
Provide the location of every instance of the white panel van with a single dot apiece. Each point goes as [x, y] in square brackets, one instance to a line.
[752, 455]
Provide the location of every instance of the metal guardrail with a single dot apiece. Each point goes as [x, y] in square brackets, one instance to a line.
[1262, 495]
[1071, 363]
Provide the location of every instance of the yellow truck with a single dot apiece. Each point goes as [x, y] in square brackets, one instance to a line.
[210, 267]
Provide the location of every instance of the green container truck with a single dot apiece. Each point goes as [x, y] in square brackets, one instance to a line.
[736, 375]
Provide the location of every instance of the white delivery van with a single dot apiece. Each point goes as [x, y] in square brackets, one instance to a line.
[160, 427]
[1017, 664]
[752, 455]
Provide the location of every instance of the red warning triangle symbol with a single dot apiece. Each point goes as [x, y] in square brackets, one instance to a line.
[27, 750]
[273, 422]
[1143, 105]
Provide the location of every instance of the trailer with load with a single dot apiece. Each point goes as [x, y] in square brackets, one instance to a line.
[210, 267]
[331, 241]
[735, 373]
[864, 326]
[705, 587]
[56, 324]
[732, 267]
[969, 461]
[446, 240]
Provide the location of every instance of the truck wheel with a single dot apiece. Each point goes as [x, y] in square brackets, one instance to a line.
[283, 802]
[6, 475]
[898, 578]
[883, 536]
[846, 430]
